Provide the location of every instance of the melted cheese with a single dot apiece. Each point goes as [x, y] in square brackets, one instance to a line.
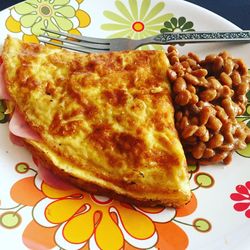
[107, 118]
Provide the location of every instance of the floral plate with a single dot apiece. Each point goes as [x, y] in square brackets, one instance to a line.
[35, 215]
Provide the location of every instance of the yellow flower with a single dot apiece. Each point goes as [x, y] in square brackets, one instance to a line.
[31, 16]
[69, 218]
[99, 221]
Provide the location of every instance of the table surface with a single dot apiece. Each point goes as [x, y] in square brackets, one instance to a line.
[236, 11]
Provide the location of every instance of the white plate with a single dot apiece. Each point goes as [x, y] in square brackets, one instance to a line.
[210, 221]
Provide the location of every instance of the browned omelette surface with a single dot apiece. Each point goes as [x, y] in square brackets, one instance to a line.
[106, 119]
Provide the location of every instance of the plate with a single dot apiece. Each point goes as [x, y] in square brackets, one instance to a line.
[36, 216]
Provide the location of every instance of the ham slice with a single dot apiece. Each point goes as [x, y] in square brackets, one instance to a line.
[16, 140]
[17, 125]
[50, 178]
[20, 128]
[3, 91]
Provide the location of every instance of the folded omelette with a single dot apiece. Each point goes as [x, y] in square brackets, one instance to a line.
[104, 122]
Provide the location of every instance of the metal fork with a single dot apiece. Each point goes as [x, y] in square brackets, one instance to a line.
[95, 45]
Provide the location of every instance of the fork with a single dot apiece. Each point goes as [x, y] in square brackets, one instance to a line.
[95, 45]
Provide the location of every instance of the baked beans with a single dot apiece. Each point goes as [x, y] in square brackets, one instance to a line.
[208, 95]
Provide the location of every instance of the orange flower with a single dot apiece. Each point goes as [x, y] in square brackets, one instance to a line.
[33, 232]
[73, 219]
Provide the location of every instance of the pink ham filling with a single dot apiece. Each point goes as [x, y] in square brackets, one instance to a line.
[16, 140]
[17, 125]
[20, 129]
[49, 177]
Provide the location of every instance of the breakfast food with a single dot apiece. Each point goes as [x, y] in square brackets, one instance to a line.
[208, 95]
[104, 122]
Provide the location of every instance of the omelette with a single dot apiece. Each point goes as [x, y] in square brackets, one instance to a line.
[103, 122]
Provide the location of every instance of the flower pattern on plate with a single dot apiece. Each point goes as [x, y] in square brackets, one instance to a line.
[47, 229]
[243, 198]
[72, 219]
[135, 20]
[31, 16]
[178, 25]
[84, 218]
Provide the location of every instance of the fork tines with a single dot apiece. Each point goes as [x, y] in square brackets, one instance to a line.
[76, 42]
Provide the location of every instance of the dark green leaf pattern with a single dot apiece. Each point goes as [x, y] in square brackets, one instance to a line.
[174, 21]
[168, 25]
[181, 20]
[181, 24]
[3, 116]
[187, 25]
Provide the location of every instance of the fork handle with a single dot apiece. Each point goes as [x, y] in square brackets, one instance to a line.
[201, 37]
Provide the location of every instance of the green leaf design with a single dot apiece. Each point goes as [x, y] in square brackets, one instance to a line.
[60, 2]
[154, 28]
[204, 180]
[114, 17]
[134, 9]
[151, 33]
[181, 21]
[154, 11]
[28, 20]
[136, 36]
[193, 168]
[173, 20]
[10, 219]
[32, 2]
[36, 28]
[187, 25]
[160, 19]
[165, 30]
[202, 225]
[122, 21]
[245, 152]
[22, 168]
[109, 26]
[66, 11]
[24, 8]
[168, 25]
[123, 9]
[52, 26]
[144, 8]
[63, 23]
